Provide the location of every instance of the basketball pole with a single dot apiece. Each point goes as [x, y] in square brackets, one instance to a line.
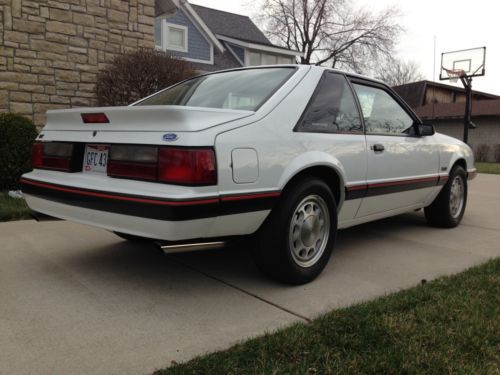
[467, 82]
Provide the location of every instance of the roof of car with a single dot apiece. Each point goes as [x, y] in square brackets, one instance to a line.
[322, 68]
[299, 66]
[350, 74]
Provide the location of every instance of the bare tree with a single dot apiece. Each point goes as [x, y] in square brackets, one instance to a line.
[332, 32]
[396, 72]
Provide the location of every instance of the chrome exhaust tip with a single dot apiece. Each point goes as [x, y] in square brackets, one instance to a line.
[186, 247]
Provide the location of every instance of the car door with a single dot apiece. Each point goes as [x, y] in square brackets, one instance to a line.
[403, 167]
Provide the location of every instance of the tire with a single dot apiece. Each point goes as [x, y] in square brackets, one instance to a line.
[292, 246]
[130, 237]
[448, 208]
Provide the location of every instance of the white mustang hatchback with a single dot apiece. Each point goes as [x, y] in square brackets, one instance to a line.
[288, 154]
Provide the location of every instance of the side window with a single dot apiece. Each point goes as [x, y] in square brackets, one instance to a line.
[382, 114]
[332, 108]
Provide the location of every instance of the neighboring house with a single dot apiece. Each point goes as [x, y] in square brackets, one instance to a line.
[212, 39]
[444, 106]
[52, 50]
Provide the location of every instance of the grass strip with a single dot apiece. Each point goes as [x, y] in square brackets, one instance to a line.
[450, 325]
[492, 168]
[13, 209]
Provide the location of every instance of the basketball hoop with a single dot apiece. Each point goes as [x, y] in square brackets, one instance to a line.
[454, 74]
[464, 64]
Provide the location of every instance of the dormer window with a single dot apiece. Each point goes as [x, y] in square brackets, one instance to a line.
[177, 37]
[171, 37]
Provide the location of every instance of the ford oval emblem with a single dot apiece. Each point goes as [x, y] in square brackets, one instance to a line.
[170, 137]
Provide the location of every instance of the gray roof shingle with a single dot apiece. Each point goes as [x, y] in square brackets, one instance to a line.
[231, 25]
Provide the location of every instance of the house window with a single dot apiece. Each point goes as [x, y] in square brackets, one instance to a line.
[258, 58]
[158, 38]
[254, 58]
[176, 38]
[170, 37]
[269, 59]
[286, 60]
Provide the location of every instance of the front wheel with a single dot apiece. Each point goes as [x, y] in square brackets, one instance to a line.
[448, 208]
[297, 238]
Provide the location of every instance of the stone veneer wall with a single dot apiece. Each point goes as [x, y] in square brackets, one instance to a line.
[51, 51]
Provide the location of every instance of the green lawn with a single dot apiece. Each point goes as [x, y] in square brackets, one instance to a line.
[13, 209]
[450, 325]
[488, 167]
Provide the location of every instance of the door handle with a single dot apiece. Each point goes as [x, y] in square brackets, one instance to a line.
[378, 147]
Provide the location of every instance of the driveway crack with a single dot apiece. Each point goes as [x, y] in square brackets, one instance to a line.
[233, 286]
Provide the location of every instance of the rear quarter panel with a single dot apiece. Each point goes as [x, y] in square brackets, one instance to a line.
[283, 153]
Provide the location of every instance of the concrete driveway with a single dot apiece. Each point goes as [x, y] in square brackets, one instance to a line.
[75, 299]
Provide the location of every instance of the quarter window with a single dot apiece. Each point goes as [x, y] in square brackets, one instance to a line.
[332, 109]
[382, 114]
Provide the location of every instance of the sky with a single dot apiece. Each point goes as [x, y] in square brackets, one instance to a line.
[455, 24]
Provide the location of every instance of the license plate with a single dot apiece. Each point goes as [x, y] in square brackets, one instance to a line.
[95, 159]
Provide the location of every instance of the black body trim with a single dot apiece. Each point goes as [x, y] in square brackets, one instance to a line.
[148, 207]
[200, 208]
[371, 190]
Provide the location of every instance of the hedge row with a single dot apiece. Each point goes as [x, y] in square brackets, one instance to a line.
[17, 135]
[482, 152]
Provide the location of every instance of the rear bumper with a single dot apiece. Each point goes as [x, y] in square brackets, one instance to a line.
[151, 217]
[472, 174]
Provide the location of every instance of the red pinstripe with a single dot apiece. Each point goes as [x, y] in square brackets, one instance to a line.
[152, 201]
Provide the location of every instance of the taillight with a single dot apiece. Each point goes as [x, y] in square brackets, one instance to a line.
[58, 156]
[95, 118]
[37, 155]
[187, 166]
[55, 156]
[137, 162]
[181, 166]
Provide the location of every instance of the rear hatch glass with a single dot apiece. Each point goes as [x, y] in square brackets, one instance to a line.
[239, 89]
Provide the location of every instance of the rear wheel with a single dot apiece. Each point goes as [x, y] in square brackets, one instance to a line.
[296, 240]
[448, 208]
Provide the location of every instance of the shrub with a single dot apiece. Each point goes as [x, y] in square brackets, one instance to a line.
[496, 153]
[134, 76]
[481, 152]
[17, 134]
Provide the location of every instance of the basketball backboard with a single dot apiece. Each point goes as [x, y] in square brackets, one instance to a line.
[466, 63]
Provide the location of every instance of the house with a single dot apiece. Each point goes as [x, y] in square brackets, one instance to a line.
[444, 106]
[51, 51]
[212, 39]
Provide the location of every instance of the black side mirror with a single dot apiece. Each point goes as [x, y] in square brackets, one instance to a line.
[426, 130]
